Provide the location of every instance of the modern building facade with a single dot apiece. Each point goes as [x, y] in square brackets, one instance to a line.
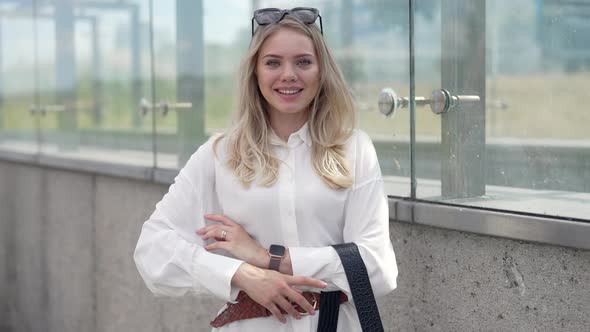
[477, 110]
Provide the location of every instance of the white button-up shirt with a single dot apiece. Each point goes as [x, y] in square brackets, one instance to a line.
[299, 211]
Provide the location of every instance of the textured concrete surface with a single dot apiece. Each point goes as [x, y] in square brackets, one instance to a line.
[28, 309]
[74, 236]
[6, 181]
[455, 281]
[123, 301]
[69, 251]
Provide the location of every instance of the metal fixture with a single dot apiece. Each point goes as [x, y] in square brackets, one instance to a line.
[440, 101]
[166, 106]
[44, 109]
[145, 106]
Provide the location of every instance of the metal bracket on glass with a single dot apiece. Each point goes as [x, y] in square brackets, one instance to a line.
[145, 106]
[166, 106]
[440, 101]
[44, 109]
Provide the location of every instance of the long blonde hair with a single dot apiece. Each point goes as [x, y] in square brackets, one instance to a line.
[330, 124]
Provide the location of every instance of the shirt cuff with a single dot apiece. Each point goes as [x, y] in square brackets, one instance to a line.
[218, 271]
[321, 263]
[233, 294]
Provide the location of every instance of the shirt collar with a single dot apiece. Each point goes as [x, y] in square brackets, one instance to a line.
[300, 135]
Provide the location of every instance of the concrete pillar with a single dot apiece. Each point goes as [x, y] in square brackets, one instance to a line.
[463, 73]
[97, 91]
[1, 81]
[346, 33]
[65, 76]
[136, 88]
[190, 76]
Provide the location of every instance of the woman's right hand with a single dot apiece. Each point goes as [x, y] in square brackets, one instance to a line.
[275, 290]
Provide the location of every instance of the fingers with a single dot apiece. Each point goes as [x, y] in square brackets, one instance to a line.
[287, 307]
[220, 218]
[214, 231]
[276, 312]
[305, 281]
[301, 301]
[210, 227]
[286, 303]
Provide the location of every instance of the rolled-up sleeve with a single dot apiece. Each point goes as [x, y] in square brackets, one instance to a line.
[366, 223]
[169, 255]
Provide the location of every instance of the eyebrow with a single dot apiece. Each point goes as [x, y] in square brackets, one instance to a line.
[280, 56]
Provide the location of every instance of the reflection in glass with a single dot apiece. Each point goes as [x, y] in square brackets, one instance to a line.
[370, 42]
[18, 96]
[534, 57]
[93, 71]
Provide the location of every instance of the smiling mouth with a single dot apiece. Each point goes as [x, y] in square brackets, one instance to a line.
[289, 92]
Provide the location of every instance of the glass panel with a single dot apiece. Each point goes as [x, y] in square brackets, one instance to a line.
[165, 74]
[50, 91]
[227, 35]
[524, 145]
[94, 70]
[369, 40]
[17, 79]
[196, 61]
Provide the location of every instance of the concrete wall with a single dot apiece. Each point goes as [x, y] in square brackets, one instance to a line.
[66, 265]
[5, 244]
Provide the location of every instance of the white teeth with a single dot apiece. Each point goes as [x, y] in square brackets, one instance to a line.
[289, 92]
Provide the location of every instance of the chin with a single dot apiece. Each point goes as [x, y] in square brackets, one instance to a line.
[291, 110]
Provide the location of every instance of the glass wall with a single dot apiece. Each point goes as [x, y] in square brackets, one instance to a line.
[500, 88]
[114, 88]
[370, 42]
[513, 137]
[19, 98]
[75, 73]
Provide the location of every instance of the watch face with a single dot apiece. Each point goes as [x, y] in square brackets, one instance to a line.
[276, 250]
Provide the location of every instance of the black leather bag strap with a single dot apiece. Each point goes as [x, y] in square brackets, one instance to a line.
[362, 293]
[329, 309]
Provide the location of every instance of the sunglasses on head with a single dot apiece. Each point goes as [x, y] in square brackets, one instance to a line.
[266, 16]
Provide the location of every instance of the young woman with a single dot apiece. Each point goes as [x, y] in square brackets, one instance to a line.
[252, 215]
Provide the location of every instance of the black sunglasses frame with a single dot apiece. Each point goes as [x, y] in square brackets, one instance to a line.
[284, 12]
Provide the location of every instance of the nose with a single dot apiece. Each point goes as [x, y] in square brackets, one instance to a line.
[288, 74]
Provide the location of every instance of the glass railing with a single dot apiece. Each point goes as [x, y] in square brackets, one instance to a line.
[500, 89]
[19, 96]
[523, 146]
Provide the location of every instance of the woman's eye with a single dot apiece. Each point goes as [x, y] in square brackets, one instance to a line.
[272, 63]
[304, 62]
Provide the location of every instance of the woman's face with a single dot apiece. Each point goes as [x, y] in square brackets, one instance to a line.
[288, 72]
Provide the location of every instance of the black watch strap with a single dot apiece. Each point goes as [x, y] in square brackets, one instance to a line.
[276, 253]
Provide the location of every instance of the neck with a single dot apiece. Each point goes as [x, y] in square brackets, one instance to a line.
[286, 124]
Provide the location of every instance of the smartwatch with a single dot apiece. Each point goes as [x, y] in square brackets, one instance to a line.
[276, 253]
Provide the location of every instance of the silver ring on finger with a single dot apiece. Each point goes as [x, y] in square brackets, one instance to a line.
[223, 234]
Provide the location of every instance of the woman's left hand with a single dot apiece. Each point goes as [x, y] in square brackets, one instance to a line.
[236, 241]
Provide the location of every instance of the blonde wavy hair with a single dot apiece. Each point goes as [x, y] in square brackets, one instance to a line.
[331, 121]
